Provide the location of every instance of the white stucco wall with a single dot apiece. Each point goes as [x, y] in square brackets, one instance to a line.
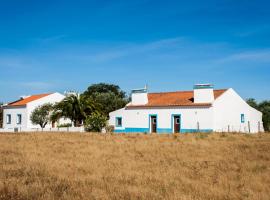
[13, 111]
[26, 111]
[227, 114]
[139, 98]
[139, 118]
[203, 95]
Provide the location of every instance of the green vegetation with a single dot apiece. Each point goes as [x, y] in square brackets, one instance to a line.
[41, 115]
[109, 97]
[95, 122]
[264, 107]
[75, 107]
[1, 115]
[91, 108]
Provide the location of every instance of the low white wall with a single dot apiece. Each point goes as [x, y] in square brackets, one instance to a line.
[63, 129]
[139, 118]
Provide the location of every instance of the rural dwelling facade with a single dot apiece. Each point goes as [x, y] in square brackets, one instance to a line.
[202, 109]
[16, 115]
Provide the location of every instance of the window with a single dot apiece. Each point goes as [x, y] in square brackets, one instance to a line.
[118, 121]
[242, 118]
[177, 121]
[8, 119]
[19, 119]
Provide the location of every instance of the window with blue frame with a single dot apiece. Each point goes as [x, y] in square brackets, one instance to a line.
[242, 118]
[118, 121]
[8, 119]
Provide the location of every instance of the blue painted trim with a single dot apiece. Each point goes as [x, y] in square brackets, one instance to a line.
[242, 118]
[116, 119]
[149, 122]
[20, 122]
[132, 130]
[196, 131]
[164, 130]
[160, 130]
[172, 122]
[139, 91]
[8, 121]
[203, 86]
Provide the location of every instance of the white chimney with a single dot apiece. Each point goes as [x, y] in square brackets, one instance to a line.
[139, 96]
[203, 93]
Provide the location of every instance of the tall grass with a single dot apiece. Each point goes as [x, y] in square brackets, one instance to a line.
[91, 166]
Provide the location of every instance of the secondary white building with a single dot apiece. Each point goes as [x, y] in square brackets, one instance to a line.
[17, 114]
[202, 109]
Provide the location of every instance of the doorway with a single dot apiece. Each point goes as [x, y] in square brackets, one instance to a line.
[176, 122]
[153, 124]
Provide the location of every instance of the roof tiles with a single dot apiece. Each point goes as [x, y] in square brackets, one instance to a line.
[179, 98]
[23, 102]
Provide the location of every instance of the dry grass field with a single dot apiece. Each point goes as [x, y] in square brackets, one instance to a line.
[91, 166]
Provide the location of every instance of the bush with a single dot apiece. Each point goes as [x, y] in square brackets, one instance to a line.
[95, 122]
[64, 125]
[109, 129]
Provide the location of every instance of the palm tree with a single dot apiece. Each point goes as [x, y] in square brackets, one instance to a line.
[76, 107]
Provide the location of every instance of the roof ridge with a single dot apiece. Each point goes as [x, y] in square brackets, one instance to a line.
[183, 91]
[22, 102]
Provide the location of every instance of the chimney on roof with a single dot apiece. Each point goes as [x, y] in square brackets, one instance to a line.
[24, 97]
[203, 93]
[139, 96]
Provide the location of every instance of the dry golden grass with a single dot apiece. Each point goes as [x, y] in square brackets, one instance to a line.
[91, 166]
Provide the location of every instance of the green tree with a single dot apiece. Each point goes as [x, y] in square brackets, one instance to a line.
[1, 115]
[95, 122]
[109, 97]
[75, 107]
[264, 107]
[41, 115]
[252, 102]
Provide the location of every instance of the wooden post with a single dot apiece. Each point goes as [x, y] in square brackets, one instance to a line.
[198, 127]
[249, 126]
[228, 128]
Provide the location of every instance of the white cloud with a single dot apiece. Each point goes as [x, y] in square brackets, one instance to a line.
[259, 56]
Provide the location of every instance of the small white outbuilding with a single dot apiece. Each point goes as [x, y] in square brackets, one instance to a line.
[202, 109]
[17, 114]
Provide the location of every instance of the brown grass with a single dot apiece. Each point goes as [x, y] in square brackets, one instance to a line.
[91, 166]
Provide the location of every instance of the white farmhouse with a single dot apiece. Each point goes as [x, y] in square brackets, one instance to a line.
[17, 114]
[201, 110]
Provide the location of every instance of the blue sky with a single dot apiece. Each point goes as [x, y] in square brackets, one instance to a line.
[58, 45]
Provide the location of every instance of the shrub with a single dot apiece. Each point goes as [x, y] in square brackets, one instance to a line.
[95, 122]
[109, 129]
[64, 125]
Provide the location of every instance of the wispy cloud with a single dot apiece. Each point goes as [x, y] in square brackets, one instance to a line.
[36, 85]
[131, 50]
[50, 39]
[251, 31]
[259, 56]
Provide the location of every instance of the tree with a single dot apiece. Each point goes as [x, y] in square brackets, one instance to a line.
[264, 107]
[1, 115]
[109, 97]
[41, 115]
[252, 102]
[75, 107]
[95, 122]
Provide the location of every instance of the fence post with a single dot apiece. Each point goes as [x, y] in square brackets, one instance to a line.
[228, 128]
[249, 126]
[198, 127]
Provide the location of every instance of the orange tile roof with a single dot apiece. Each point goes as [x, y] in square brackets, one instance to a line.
[179, 98]
[23, 102]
